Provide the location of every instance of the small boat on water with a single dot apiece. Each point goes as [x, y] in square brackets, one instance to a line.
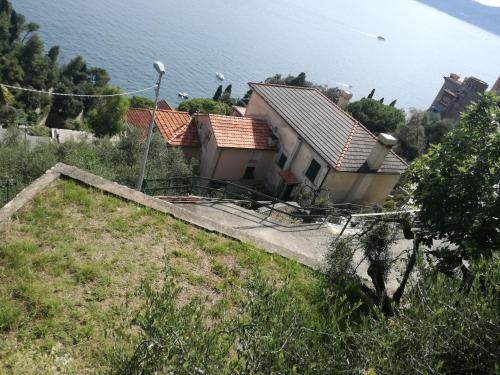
[220, 76]
[380, 37]
[183, 95]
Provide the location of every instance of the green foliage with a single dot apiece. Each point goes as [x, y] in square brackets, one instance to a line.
[119, 161]
[141, 102]
[204, 106]
[421, 131]
[108, 117]
[300, 80]
[39, 131]
[23, 62]
[442, 330]
[461, 176]
[376, 116]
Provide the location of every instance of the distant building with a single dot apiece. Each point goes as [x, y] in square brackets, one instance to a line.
[496, 87]
[456, 95]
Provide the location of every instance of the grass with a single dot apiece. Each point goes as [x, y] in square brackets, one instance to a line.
[72, 261]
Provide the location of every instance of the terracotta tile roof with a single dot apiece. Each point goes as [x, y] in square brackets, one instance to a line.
[241, 132]
[163, 104]
[177, 128]
[139, 118]
[289, 177]
[338, 138]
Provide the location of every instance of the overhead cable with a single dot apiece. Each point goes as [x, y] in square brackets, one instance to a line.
[77, 95]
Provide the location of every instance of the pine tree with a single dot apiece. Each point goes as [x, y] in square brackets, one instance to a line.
[218, 93]
[370, 95]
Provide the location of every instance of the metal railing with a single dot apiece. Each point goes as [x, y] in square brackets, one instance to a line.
[224, 190]
[8, 189]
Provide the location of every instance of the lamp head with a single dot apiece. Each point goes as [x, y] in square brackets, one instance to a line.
[160, 68]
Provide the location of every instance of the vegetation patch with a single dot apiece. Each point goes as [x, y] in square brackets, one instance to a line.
[71, 264]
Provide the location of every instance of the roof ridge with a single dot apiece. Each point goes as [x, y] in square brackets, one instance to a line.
[238, 118]
[281, 85]
[169, 110]
[347, 145]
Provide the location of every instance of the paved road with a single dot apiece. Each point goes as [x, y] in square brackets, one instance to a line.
[311, 241]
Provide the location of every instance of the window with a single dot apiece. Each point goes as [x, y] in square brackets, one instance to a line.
[249, 173]
[282, 160]
[313, 170]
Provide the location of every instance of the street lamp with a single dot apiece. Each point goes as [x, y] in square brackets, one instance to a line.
[160, 68]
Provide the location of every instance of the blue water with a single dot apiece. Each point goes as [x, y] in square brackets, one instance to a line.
[332, 41]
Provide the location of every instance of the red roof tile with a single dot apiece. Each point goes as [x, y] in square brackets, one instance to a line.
[177, 128]
[139, 118]
[241, 132]
[163, 104]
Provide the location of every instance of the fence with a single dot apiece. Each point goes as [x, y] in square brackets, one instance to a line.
[8, 189]
[222, 190]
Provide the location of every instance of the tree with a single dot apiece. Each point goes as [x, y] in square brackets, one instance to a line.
[376, 116]
[218, 93]
[108, 118]
[203, 105]
[332, 93]
[370, 95]
[141, 102]
[419, 132]
[457, 186]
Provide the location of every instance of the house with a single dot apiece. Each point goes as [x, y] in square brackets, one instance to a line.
[496, 87]
[456, 95]
[323, 147]
[238, 111]
[175, 127]
[235, 148]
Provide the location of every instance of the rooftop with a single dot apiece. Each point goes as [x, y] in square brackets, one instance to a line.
[338, 138]
[139, 118]
[174, 126]
[241, 132]
[177, 129]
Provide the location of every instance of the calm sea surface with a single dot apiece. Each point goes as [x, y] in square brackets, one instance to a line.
[334, 42]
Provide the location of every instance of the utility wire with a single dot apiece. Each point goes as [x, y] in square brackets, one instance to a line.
[77, 95]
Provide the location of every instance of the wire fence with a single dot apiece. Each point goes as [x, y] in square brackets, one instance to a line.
[8, 190]
[245, 196]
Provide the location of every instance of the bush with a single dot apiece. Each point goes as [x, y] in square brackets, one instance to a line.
[445, 329]
[22, 163]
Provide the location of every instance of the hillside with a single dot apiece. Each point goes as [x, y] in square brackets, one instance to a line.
[483, 16]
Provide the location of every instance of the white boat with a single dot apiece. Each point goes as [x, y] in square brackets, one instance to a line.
[183, 95]
[220, 76]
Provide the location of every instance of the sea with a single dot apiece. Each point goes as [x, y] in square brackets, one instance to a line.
[334, 42]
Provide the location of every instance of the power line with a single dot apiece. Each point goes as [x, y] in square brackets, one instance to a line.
[76, 95]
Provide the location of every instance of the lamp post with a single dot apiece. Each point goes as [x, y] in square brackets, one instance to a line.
[160, 68]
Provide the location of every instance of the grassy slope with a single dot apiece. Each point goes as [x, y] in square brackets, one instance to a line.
[71, 262]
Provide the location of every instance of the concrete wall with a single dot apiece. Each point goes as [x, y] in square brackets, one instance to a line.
[360, 187]
[233, 163]
[209, 153]
[299, 154]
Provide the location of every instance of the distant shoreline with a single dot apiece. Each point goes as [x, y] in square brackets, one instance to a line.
[489, 3]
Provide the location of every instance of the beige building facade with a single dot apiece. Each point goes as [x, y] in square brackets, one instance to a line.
[322, 147]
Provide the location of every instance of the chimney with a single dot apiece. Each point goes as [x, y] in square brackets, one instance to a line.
[380, 150]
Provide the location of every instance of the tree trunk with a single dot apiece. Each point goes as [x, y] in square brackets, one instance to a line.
[396, 297]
